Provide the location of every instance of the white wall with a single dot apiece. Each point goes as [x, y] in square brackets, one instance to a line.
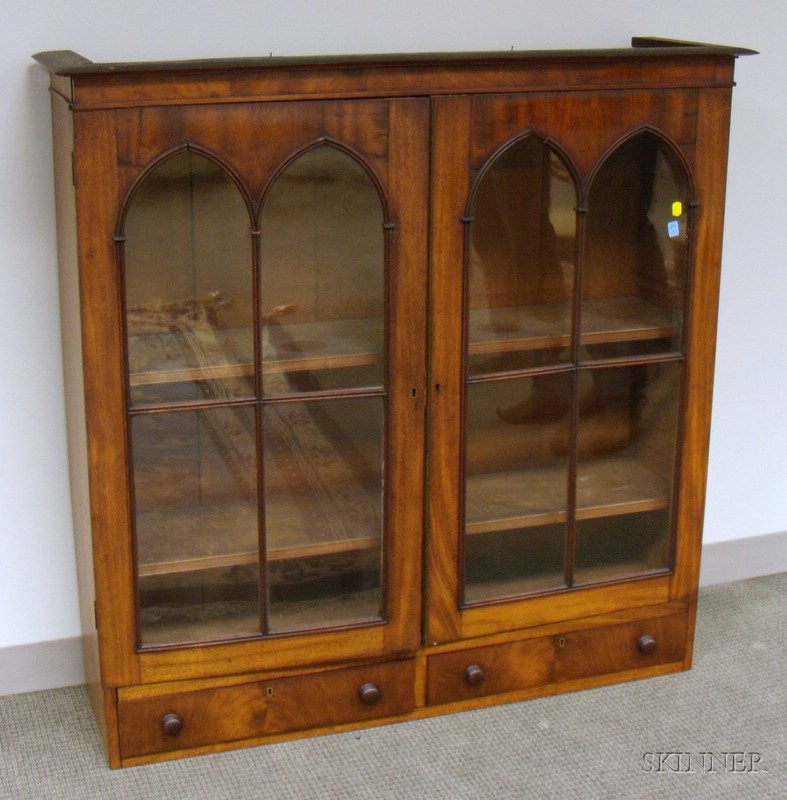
[747, 490]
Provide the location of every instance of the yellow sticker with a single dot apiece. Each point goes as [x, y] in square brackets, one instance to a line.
[677, 208]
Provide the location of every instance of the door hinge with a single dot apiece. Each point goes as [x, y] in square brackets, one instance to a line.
[95, 613]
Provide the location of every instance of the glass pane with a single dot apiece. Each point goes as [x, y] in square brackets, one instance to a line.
[521, 261]
[636, 257]
[195, 502]
[324, 511]
[323, 277]
[188, 287]
[626, 444]
[516, 485]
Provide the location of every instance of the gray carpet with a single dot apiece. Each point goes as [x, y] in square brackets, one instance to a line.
[602, 743]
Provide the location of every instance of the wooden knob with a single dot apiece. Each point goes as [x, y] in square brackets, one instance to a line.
[369, 694]
[647, 645]
[474, 675]
[171, 724]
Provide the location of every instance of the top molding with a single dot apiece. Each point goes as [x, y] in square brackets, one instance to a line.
[86, 84]
[69, 63]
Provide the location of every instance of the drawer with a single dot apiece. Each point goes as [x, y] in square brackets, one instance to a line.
[185, 720]
[633, 645]
[496, 669]
[514, 666]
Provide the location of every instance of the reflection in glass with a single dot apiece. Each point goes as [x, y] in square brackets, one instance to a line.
[323, 272]
[636, 255]
[324, 511]
[521, 261]
[516, 491]
[188, 289]
[196, 524]
[626, 443]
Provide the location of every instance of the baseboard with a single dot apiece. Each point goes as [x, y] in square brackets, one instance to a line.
[43, 665]
[50, 665]
[739, 559]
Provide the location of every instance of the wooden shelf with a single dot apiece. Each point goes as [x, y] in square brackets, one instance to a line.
[519, 586]
[504, 501]
[205, 353]
[624, 319]
[616, 319]
[537, 583]
[240, 619]
[211, 537]
[313, 346]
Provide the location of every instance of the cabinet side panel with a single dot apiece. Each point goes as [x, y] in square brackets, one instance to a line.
[70, 317]
[102, 360]
[711, 175]
[71, 326]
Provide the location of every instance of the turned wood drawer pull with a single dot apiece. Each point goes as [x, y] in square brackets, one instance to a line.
[370, 694]
[647, 645]
[474, 675]
[171, 724]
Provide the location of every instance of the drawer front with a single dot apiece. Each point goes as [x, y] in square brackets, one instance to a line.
[481, 671]
[633, 645]
[232, 713]
[499, 669]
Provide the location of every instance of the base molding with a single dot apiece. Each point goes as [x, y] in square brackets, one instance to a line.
[41, 665]
[739, 559]
[53, 664]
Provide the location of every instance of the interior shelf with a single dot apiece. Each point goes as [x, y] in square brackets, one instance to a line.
[615, 319]
[526, 498]
[241, 618]
[537, 583]
[199, 351]
[210, 537]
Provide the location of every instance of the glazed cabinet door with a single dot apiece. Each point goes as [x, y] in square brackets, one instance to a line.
[272, 304]
[561, 266]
